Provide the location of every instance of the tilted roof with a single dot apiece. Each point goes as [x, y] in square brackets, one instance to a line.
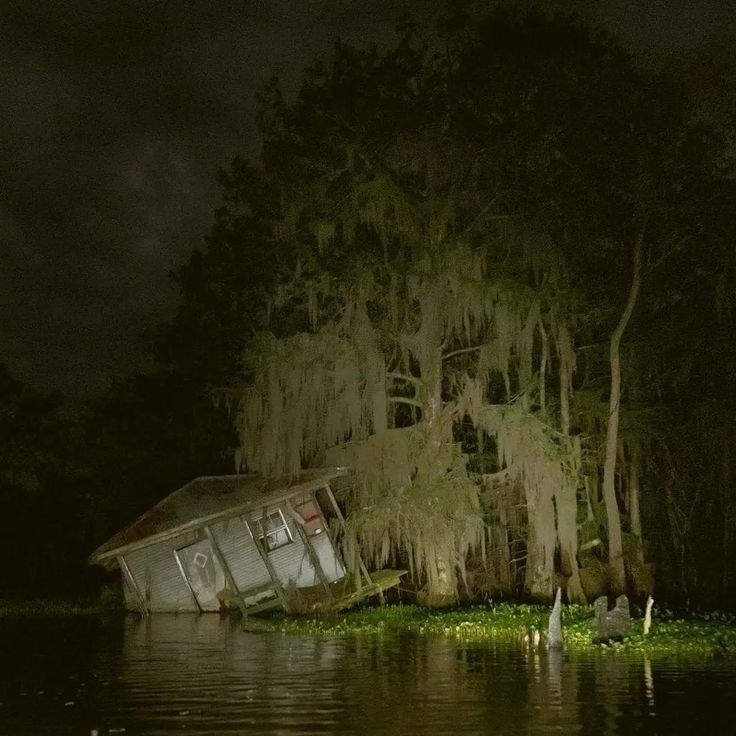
[204, 501]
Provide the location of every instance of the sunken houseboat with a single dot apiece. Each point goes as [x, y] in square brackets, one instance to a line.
[241, 541]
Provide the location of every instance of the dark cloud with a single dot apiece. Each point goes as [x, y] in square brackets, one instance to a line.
[117, 117]
[114, 118]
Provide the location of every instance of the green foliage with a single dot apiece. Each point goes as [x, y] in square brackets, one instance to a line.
[41, 608]
[711, 635]
[443, 232]
[418, 276]
[412, 502]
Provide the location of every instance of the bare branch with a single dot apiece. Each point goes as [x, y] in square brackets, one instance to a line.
[405, 400]
[447, 356]
[403, 377]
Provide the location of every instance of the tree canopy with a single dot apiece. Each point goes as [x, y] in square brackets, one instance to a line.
[424, 268]
[428, 274]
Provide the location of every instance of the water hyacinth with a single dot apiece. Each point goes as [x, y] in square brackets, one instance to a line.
[25, 608]
[705, 635]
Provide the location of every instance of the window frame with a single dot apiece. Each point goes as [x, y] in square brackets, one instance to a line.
[265, 535]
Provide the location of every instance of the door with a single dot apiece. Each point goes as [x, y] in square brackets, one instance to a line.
[203, 573]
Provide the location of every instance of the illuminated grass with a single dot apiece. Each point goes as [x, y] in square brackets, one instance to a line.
[707, 635]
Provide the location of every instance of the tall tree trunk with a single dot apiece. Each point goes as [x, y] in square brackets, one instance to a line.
[566, 502]
[613, 517]
[441, 589]
[634, 505]
[540, 545]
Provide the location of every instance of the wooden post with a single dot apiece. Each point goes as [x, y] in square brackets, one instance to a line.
[362, 566]
[186, 580]
[311, 551]
[217, 553]
[332, 537]
[263, 552]
[133, 585]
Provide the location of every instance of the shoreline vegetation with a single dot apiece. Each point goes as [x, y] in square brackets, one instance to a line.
[701, 634]
[52, 607]
[709, 634]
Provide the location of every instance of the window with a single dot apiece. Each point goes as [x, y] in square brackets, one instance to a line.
[309, 516]
[277, 533]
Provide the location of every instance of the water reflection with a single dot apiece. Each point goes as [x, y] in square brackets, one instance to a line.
[203, 675]
[649, 684]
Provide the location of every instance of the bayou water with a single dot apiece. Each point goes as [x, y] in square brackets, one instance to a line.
[203, 675]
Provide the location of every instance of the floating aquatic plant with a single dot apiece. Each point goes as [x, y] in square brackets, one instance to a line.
[526, 625]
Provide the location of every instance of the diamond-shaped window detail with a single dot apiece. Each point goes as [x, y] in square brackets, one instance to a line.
[200, 559]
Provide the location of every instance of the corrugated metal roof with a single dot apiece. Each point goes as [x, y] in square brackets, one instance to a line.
[205, 500]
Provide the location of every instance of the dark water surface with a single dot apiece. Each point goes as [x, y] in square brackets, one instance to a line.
[203, 675]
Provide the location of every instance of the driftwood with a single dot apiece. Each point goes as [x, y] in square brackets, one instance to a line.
[554, 630]
[611, 625]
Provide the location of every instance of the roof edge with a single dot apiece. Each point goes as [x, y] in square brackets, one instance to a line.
[102, 556]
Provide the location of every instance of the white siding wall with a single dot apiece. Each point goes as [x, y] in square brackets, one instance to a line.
[240, 553]
[327, 558]
[293, 564]
[159, 579]
[292, 560]
[131, 600]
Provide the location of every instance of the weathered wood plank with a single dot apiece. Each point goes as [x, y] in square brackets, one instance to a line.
[263, 552]
[186, 580]
[331, 535]
[256, 589]
[217, 552]
[263, 606]
[133, 585]
[384, 579]
[361, 564]
[311, 551]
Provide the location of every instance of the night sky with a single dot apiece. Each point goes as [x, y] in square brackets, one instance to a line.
[116, 116]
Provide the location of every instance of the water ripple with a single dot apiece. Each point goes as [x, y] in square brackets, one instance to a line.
[202, 675]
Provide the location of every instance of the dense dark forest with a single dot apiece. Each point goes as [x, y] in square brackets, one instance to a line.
[492, 268]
